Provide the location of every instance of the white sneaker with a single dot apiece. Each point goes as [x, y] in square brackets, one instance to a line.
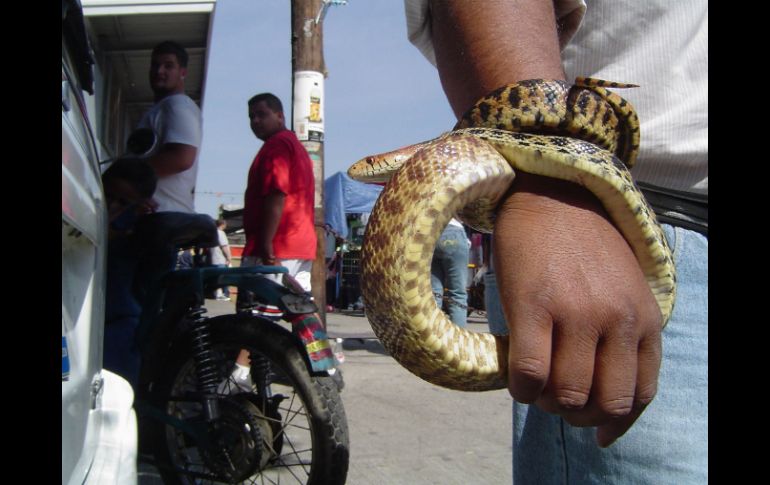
[239, 381]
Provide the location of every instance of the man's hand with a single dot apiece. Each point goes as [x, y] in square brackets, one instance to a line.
[585, 330]
[268, 259]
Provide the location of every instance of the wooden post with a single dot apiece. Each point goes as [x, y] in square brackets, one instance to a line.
[308, 73]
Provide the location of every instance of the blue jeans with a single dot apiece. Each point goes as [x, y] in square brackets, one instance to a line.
[122, 310]
[132, 273]
[225, 289]
[449, 269]
[669, 442]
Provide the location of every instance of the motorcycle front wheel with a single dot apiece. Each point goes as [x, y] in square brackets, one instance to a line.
[288, 427]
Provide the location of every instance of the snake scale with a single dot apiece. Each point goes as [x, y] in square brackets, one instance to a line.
[579, 132]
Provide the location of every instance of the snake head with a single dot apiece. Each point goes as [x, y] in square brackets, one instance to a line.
[366, 170]
[379, 168]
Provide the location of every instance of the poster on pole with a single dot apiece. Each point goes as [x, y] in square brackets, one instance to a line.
[309, 105]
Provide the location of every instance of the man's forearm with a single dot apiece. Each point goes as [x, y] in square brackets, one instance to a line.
[173, 158]
[272, 211]
[481, 48]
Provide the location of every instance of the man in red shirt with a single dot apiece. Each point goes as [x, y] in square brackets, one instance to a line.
[278, 215]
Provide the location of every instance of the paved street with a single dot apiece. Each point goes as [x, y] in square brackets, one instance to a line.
[404, 430]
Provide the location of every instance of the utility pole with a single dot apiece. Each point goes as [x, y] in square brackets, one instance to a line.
[309, 71]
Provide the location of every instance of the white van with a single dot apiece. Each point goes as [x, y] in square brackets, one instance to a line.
[99, 433]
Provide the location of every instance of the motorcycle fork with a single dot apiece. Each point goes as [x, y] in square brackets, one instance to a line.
[260, 372]
[206, 368]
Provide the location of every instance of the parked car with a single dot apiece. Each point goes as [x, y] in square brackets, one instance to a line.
[99, 435]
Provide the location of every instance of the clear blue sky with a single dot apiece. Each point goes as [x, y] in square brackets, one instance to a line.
[380, 92]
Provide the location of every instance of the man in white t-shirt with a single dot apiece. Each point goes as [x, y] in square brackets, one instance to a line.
[176, 121]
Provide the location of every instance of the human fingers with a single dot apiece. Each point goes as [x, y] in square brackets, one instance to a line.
[615, 376]
[572, 369]
[610, 390]
[529, 351]
[649, 361]
[624, 381]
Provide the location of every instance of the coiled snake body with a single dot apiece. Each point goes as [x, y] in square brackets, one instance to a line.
[581, 133]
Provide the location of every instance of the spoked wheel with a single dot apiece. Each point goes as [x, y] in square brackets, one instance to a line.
[290, 428]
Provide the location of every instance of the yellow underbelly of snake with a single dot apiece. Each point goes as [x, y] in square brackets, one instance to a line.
[464, 174]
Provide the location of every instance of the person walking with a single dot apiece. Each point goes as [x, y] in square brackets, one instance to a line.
[219, 257]
[449, 270]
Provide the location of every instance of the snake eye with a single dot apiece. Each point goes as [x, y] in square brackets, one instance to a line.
[370, 160]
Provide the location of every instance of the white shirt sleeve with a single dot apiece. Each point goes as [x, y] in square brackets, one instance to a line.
[176, 119]
[181, 122]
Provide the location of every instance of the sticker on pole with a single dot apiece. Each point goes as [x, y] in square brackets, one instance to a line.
[309, 105]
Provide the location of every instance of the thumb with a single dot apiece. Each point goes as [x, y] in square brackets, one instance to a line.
[608, 433]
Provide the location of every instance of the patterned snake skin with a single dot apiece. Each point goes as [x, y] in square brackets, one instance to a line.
[581, 133]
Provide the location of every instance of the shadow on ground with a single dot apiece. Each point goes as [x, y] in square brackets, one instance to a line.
[367, 344]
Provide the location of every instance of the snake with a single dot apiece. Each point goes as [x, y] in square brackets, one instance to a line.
[580, 132]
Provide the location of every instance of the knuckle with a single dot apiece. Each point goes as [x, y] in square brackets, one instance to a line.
[530, 369]
[571, 398]
[638, 316]
[617, 407]
[624, 318]
[645, 396]
[527, 379]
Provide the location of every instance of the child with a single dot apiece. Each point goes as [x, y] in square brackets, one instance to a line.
[128, 187]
